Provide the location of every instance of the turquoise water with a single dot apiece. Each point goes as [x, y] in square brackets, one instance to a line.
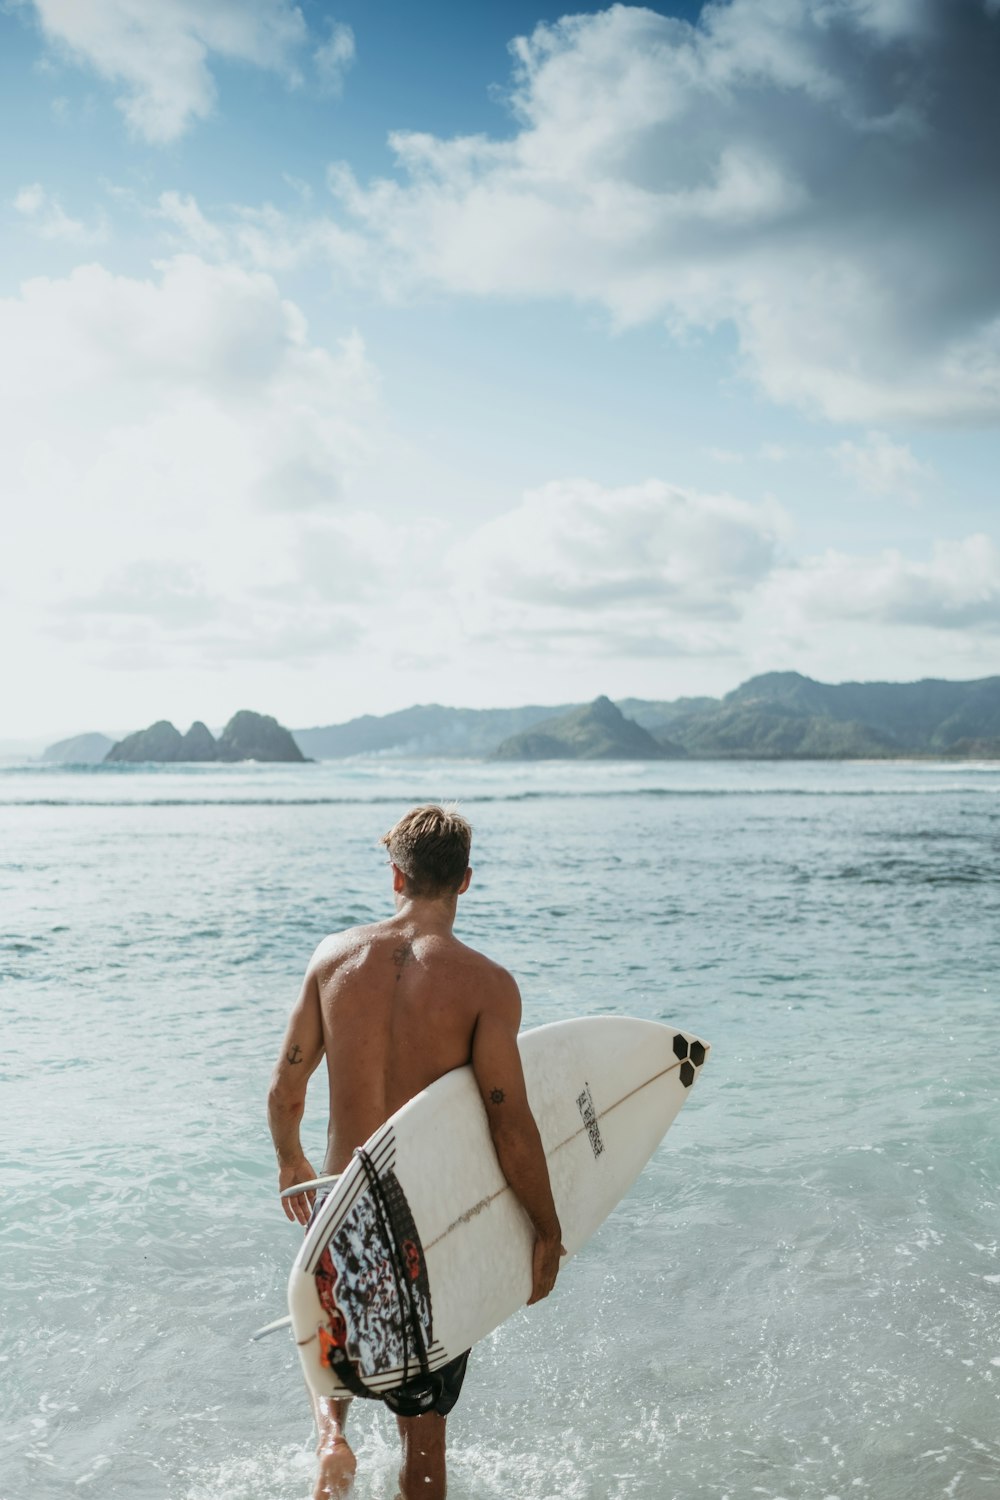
[799, 1299]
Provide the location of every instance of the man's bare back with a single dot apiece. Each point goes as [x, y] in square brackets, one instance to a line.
[393, 1006]
[399, 1004]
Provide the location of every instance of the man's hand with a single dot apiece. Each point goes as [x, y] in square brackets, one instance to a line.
[544, 1267]
[300, 1207]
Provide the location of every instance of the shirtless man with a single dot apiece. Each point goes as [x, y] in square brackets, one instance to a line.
[393, 1006]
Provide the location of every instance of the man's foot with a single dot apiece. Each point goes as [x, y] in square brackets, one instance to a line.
[337, 1466]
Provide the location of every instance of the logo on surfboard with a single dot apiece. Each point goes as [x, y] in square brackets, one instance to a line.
[373, 1289]
[588, 1114]
[691, 1056]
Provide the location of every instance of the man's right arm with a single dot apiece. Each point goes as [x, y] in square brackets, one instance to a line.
[496, 1063]
[301, 1053]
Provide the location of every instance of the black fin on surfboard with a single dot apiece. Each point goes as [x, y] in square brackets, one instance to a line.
[262, 1333]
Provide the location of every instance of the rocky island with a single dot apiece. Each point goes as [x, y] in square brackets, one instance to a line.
[78, 750]
[247, 736]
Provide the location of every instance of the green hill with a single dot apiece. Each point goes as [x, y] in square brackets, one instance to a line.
[776, 731]
[782, 714]
[927, 716]
[597, 731]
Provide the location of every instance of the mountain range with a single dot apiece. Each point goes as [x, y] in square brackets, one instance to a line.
[778, 715]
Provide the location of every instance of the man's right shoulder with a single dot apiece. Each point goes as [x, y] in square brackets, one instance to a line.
[488, 967]
[497, 986]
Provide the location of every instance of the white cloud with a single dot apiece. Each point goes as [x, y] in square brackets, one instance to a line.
[361, 556]
[642, 569]
[196, 232]
[48, 218]
[880, 466]
[159, 51]
[335, 56]
[816, 172]
[173, 594]
[164, 443]
[956, 589]
[264, 238]
[656, 570]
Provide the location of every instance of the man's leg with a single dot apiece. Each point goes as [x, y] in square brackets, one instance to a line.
[422, 1475]
[336, 1461]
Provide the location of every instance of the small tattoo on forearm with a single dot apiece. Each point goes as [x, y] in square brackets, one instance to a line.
[294, 1054]
[497, 1096]
[402, 956]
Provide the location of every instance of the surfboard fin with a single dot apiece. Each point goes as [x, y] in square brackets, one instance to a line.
[314, 1182]
[262, 1333]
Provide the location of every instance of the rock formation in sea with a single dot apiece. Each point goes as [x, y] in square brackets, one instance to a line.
[78, 750]
[247, 736]
[160, 742]
[199, 743]
[250, 736]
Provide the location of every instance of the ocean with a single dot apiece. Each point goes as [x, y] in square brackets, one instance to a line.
[800, 1298]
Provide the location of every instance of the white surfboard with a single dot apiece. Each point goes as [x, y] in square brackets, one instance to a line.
[422, 1241]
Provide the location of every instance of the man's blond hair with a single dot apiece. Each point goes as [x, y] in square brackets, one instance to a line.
[430, 845]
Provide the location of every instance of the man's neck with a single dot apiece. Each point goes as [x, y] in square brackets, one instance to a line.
[428, 915]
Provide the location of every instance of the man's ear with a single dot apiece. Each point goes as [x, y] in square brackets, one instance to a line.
[398, 880]
[466, 881]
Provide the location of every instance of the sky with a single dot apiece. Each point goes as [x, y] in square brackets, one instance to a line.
[361, 355]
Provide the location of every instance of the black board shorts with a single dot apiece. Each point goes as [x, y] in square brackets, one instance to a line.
[436, 1391]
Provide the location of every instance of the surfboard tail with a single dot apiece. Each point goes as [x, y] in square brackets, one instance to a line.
[262, 1333]
[314, 1182]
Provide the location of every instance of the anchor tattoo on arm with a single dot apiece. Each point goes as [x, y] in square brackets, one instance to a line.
[294, 1054]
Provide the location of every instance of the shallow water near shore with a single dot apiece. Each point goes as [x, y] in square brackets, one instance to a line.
[800, 1298]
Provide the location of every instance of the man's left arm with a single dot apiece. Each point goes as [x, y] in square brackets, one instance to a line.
[301, 1052]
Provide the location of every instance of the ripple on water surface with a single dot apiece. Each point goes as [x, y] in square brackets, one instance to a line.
[800, 1298]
